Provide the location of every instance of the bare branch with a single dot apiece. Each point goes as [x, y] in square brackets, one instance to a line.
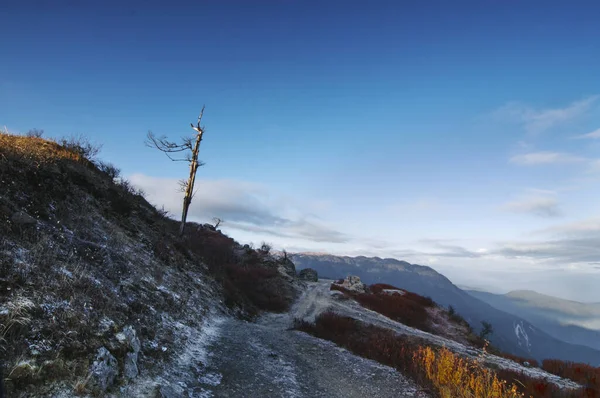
[201, 113]
[162, 144]
[217, 222]
[168, 147]
[197, 127]
[182, 185]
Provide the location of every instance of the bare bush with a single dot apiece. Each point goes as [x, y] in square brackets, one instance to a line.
[265, 248]
[34, 133]
[129, 187]
[81, 146]
[109, 169]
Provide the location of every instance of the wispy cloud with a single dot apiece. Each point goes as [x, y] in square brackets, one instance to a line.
[593, 135]
[243, 206]
[540, 206]
[570, 243]
[595, 166]
[419, 205]
[538, 158]
[539, 120]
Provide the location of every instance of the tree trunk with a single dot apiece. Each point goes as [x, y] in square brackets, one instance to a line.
[189, 190]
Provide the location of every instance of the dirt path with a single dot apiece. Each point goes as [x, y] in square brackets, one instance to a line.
[266, 359]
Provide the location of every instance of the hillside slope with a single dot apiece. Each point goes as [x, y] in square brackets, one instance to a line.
[570, 321]
[511, 334]
[98, 294]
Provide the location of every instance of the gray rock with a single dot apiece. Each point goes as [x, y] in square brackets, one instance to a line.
[129, 337]
[130, 368]
[287, 267]
[104, 370]
[170, 391]
[354, 283]
[22, 218]
[309, 275]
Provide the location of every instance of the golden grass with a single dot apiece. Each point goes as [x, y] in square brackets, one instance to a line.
[32, 148]
[456, 377]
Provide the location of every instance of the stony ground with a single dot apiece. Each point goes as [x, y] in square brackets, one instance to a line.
[268, 359]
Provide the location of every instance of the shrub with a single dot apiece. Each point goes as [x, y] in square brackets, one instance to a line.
[407, 308]
[254, 288]
[34, 133]
[486, 330]
[401, 308]
[112, 171]
[379, 287]
[265, 248]
[81, 146]
[248, 283]
[581, 373]
[453, 376]
[441, 371]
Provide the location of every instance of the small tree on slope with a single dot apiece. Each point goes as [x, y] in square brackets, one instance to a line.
[190, 146]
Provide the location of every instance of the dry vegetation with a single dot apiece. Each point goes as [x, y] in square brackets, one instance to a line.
[584, 374]
[441, 372]
[83, 255]
[423, 313]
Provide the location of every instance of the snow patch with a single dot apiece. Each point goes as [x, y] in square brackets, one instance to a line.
[522, 337]
[394, 291]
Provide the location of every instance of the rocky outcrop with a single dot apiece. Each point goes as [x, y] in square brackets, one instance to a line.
[129, 338]
[287, 267]
[354, 284]
[308, 275]
[104, 370]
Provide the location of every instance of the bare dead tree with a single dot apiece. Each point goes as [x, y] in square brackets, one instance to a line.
[217, 222]
[186, 151]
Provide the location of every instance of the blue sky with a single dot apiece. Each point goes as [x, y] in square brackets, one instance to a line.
[461, 135]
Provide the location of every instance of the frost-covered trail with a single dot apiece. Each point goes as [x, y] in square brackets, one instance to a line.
[267, 359]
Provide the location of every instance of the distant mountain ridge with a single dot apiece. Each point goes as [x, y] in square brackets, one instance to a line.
[512, 334]
[567, 320]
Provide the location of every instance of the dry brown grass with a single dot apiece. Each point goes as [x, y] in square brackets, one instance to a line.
[35, 149]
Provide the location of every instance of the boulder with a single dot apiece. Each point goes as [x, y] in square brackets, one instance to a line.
[308, 275]
[129, 338]
[354, 284]
[104, 370]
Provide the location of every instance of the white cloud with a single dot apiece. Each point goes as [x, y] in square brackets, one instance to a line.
[595, 166]
[540, 120]
[570, 243]
[593, 135]
[419, 205]
[243, 206]
[536, 158]
[584, 228]
[539, 206]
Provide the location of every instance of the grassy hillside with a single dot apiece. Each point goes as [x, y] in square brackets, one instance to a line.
[85, 260]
